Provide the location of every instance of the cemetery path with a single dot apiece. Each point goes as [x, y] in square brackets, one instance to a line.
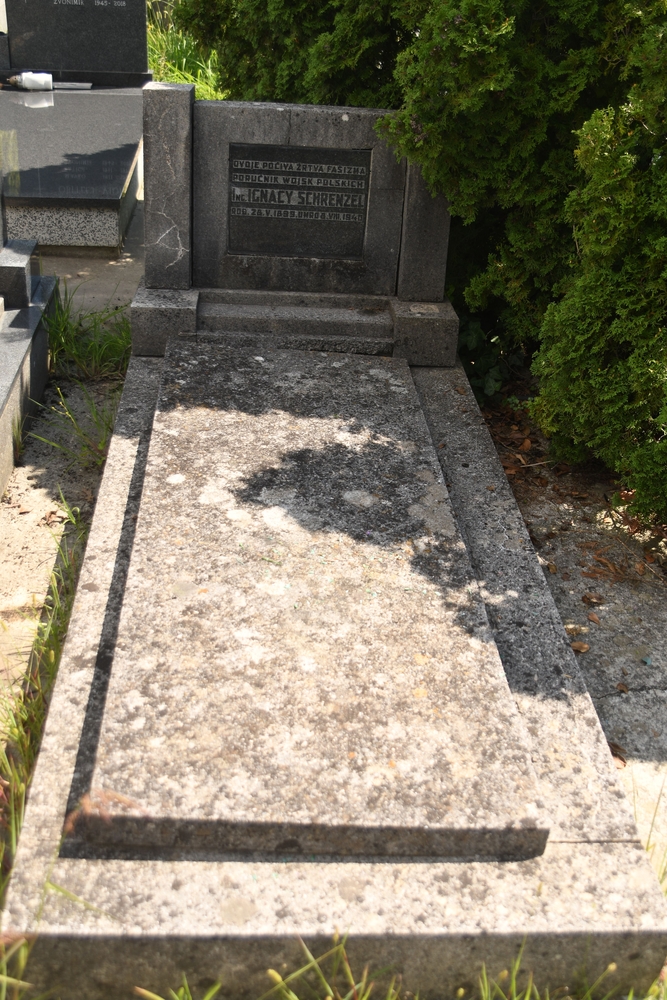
[609, 583]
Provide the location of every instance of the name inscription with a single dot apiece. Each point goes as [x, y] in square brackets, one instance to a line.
[298, 201]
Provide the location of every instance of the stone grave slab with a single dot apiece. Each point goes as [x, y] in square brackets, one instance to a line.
[303, 661]
[73, 174]
[102, 42]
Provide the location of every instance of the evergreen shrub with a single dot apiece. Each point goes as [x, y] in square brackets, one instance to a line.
[541, 122]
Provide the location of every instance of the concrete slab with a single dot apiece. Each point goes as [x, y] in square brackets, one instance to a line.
[350, 699]
[575, 909]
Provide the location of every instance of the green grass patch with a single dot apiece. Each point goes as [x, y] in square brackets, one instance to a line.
[91, 345]
[175, 57]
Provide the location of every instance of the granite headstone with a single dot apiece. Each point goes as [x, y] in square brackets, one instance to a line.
[101, 41]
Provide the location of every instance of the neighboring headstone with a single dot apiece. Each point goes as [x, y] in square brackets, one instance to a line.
[73, 165]
[4, 52]
[99, 41]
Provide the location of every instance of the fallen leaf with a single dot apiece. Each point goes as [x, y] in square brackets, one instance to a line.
[576, 629]
[617, 750]
[565, 576]
[542, 481]
[623, 688]
[592, 617]
[649, 557]
[460, 390]
[491, 489]
[590, 598]
[526, 446]
[552, 567]
[580, 647]
[25, 510]
[511, 471]
[641, 568]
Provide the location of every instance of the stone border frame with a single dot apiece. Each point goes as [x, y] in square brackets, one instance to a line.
[186, 181]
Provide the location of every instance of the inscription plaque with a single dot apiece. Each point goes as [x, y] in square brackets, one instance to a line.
[297, 201]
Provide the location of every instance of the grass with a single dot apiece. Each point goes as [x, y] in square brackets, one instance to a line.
[23, 712]
[330, 977]
[93, 345]
[91, 438]
[175, 57]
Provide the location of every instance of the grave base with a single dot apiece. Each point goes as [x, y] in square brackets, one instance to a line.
[425, 333]
[108, 923]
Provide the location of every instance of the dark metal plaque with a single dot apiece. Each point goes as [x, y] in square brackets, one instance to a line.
[298, 201]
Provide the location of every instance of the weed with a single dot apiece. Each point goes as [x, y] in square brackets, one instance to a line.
[96, 345]
[91, 438]
[22, 713]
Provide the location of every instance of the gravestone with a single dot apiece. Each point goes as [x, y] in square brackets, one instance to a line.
[314, 679]
[292, 221]
[96, 41]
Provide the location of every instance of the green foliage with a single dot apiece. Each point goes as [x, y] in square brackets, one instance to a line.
[96, 345]
[602, 363]
[175, 57]
[311, 51]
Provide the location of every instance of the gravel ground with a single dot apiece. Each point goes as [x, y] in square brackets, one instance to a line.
[609, 582]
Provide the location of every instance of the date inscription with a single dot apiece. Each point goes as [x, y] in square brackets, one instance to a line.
[297, 201]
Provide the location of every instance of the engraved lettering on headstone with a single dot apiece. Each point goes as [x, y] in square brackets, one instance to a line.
[297, 201]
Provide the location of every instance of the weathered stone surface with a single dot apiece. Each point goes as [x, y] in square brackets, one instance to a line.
[424, 243]
[570, 753]
[425, 333]
[574, 910]
[15, 277]
[168, 184]
[349, 700]
[156, 314]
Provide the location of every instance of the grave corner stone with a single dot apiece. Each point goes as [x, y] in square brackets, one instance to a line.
[168, 109]
[425, 333]
[15, 277]
[424, 242]
[157, 313]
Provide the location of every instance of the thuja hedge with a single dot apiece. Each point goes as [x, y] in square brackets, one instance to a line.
[542, 122]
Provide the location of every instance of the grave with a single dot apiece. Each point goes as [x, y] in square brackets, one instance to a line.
[314, 678]
[72, 158]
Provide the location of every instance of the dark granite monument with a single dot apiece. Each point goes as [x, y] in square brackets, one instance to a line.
[76, 163]
[71, 165]
[97, 41]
